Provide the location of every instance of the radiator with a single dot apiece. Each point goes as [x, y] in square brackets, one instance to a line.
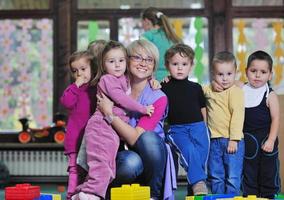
[34, 163]
[40, 163]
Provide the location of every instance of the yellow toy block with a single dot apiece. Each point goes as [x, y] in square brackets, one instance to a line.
[56, 197]
[251, 197]
[189, 198]
[45, 196]
[130, 192]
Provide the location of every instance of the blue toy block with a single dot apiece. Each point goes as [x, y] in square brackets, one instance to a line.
[218, 196]
[50, 196]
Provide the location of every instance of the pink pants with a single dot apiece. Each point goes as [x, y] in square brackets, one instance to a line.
[101, 145]
[73, 174]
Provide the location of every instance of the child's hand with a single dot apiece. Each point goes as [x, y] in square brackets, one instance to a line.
[268, 146]
[166, 79]
[150, 110]
[239, 83]
[216, 87]
[232, 146]
[155, 84]
[80, 81]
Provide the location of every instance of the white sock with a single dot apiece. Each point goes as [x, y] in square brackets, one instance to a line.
[86, 196]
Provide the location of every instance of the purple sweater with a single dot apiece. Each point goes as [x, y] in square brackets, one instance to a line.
[116, 89]
[80, 103]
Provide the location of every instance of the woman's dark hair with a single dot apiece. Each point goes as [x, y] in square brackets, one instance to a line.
[158, 18]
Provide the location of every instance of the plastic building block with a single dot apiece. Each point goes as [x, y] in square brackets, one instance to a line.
[223, 197]
[130, 192]
[210, 197]
[279, 196]
[45, 196]
[251, 197]
[194, 198]
[22, 192]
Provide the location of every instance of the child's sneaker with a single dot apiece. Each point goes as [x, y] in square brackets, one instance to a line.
[200, 188]
[75, 197]
[86, 196]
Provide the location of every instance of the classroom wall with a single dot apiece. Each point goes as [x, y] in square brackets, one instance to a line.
[281, 139]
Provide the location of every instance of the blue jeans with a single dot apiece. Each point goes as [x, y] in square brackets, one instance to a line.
[191, 141]
[145, 163]
[224, 169]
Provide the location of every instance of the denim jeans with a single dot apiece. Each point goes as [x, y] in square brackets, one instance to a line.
[144, 163]
[224, 169]
[191, 141]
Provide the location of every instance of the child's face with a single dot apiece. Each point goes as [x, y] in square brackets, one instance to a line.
[81, 69]
[258, 73]
[179, 66]
[115, 62]
[224, 74]
[147, 24]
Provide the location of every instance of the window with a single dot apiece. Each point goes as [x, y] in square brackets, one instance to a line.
[257, 2]
[132, 4]
[251, 34]
[26, 65]
[89, 31]
[24, 5]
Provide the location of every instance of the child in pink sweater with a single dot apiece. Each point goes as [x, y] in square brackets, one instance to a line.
[101, 140]
[78, 98]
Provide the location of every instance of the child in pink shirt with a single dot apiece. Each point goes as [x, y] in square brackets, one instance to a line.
[78, 98]
[101, 140]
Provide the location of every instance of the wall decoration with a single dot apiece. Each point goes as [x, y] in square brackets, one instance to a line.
[199, 67]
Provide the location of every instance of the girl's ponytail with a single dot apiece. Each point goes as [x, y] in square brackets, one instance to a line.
[158, 18]
[170, 33]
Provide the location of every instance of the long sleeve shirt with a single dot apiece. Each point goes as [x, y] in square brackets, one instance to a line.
[116, 88]
[80, 103]
[225, 112]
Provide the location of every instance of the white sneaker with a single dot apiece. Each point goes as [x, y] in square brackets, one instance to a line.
[75, 197]
[200, 188]
[86, 196]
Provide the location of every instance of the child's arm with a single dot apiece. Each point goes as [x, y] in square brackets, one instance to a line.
[202, 101]
[237, 109]
[111, 88]
[204, 114]
[273, 104]
[69, 97]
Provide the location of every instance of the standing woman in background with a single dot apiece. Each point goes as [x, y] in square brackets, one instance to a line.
[159, 31]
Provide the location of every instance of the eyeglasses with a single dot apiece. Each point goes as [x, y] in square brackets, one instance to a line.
[137, 58]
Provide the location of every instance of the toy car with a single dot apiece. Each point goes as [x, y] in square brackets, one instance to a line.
[53, 133]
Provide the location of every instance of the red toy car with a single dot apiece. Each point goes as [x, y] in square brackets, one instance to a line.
[54, 133]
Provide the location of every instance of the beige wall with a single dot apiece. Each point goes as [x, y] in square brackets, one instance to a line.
[281, 139]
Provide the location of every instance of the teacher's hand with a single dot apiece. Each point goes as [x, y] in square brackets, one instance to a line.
[104, 104]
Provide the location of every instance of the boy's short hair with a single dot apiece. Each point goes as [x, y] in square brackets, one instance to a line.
[260, 55]
[182, 49]
[224, 57]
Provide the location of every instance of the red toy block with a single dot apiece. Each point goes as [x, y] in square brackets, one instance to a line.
[22, 192]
